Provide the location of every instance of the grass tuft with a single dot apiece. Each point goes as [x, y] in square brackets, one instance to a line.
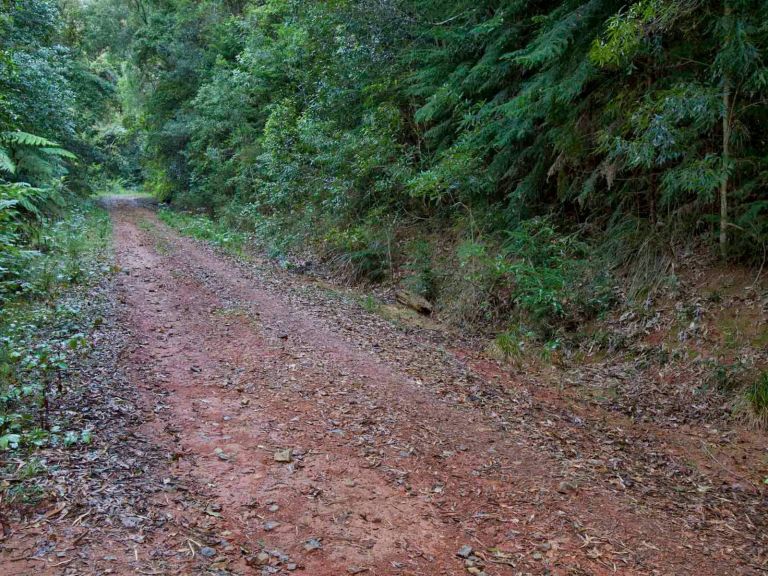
[757, 399]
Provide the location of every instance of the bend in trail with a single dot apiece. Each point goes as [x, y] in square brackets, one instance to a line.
[322, 438]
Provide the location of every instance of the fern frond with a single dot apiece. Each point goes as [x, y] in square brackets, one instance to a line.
[56, 151]
[6, 164]
[34, 201]
[6, 204]
[27, 139]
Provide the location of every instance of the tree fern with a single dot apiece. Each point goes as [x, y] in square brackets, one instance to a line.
[43, 145]
[56, 151]
[6, 164]
[32, 157]
[29, 200]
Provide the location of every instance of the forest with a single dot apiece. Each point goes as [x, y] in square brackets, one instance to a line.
[543, 147]
[568, 185]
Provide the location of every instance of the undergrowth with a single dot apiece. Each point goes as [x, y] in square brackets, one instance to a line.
[202, 227]
[42, 327]
[535, 280]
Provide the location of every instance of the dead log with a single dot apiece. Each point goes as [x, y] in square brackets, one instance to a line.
[414, 301]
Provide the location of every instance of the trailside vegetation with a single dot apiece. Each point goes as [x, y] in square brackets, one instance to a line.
[513, 154]
[55, 99]
[52, 97]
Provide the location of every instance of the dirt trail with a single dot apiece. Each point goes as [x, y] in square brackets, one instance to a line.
[403, 449]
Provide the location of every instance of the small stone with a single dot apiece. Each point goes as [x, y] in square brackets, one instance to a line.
[349, 483]
[273, 508]
[284, 456]
[270, 525]
[221, 454]
[292, 566]
[356, 570]
[279, 555]
[207, 551]
[465, 551]
[565, 487]
[537, 556]
[262, 558]
[312, 544]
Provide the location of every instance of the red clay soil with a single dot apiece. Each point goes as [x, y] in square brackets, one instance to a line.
[403, 451]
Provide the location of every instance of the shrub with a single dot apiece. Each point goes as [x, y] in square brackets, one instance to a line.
[727, 377]
[361, 253]
[422, 277]
[536, 277]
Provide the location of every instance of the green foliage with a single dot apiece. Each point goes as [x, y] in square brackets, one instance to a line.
[318, 116]
[34, 157]
[422, 278]
[370, 304]
[536, 277]
[361, 253]
[510, 344]
[532, 132]
[22, 211]
[41, 332]
[757, 397]
[204, 228]
[24, 139]
[50, 258]
[625, 33]
[52, 93]
[727, 376]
